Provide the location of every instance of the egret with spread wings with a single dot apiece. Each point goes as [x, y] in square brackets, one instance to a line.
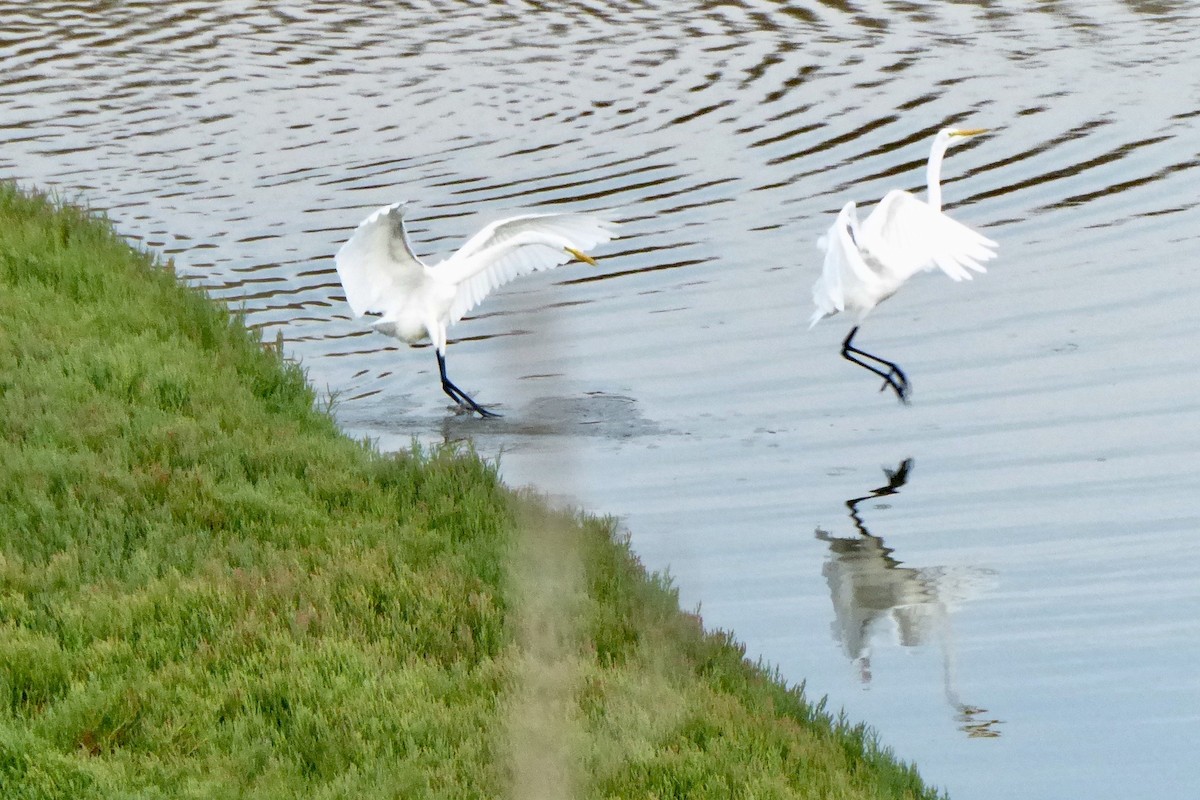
[865, 264]
[380, 272]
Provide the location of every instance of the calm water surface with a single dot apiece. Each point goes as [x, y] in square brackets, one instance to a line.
[1003, 578]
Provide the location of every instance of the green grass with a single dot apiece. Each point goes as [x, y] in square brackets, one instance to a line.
[207, 591]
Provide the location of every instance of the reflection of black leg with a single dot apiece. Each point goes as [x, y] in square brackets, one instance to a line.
[457, 394]
[895, 479]
[893, 377]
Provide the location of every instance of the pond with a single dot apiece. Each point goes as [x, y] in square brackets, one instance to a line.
[1002, 578]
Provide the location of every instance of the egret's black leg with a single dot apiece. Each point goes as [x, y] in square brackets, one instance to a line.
[893, 377]
[457, 394]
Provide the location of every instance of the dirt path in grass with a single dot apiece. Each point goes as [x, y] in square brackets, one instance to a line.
[545, 733]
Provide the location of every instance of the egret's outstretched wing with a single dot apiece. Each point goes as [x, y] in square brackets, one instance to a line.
[377, 262]
[581, 226]
[905, 235]
[517, 246]
[843, 264]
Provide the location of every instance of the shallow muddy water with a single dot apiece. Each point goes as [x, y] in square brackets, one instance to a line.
[1003, 578]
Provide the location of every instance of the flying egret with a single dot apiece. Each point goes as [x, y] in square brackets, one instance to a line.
[380, 272]
[865, 264]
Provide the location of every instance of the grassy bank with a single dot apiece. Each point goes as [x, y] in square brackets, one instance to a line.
[207, 591]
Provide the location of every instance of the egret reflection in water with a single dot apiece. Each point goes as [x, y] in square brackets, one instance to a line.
[873, 593]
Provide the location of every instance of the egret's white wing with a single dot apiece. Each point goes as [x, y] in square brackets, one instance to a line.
[377, 262]
[566, 224]
[904, 235]
[843, 265]
[514, 247]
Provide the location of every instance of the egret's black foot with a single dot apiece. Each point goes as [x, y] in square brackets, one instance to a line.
[483, 412]
[456, 394]
[465, 402]
[897, 381]
[893, 378]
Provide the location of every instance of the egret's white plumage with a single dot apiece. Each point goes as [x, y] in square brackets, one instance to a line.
[866, 263]
[380, 272]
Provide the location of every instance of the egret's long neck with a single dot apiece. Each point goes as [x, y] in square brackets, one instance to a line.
[933, 174]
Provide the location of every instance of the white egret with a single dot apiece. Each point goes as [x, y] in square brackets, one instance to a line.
[865, 264]
[380, 272]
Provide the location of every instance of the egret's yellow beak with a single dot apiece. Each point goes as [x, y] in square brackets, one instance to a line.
[968, 131]
[584, 257]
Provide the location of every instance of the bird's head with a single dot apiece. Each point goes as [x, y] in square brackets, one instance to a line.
[952, 135]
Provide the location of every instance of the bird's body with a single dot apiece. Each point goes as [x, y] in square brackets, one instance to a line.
[867, 263]
[380, 272]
